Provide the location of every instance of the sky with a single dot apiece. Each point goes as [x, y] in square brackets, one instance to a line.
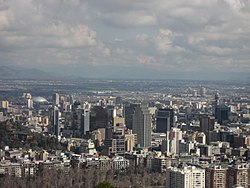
[127, 38]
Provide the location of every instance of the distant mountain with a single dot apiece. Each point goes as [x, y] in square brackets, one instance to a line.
[105, 72]
[16, 73]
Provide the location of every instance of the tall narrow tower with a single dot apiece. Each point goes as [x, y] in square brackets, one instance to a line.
[55, 121]
[86, 121]
[217, 99]
[55, 99]
[142, 125]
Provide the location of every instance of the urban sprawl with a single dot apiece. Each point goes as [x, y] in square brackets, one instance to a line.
[192, 134]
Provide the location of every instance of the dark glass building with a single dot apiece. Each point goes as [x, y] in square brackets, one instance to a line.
[129, 110]
[164, 120]
[222, 113]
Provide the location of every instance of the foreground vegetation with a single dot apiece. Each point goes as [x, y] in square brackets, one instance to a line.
[17, 136]
[87, 178]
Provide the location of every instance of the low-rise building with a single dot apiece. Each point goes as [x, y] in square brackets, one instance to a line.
[119, 162]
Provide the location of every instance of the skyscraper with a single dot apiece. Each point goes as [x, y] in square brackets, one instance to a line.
[164, 120]
[128, 114]
[77, 123]
[118, 100]
[86, 121]
[217, 99]
[207, 125]
[55, 121]
[222, 113]
[55, 99]
[29, 103]
[142, 125]
[99, 118]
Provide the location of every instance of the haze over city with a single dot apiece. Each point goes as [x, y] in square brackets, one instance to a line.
[191, 39]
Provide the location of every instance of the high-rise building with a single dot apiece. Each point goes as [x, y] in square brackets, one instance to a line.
[128, 114]
[98, 118]
[77, 122]
[55, 122]
[86, 121]
[207, 123]
[203, 91]
[120, 139]
[29, 103]
[118, 100]
[114, 140]
[217, 99]
[142, 125]
[55, 99]
[238, 175]
[216, 177]
[207, 126]
[185, 177]
[174, 141]
[164, 120]
[111, 113]
[222, 113]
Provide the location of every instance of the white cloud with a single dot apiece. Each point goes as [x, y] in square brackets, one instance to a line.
[145, 59]
[143, 39]
[163, 41]
[236, 5]
[192, 34]
[128, 19]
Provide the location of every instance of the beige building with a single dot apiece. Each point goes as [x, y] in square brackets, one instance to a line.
[130, 141]
[104, 163]
[12, 169]
[4, 104]
[185, 177]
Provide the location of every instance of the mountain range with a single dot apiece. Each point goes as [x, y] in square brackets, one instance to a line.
[15, 72]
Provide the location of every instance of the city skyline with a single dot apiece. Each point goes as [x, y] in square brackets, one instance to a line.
[116, 39]
[128, 133]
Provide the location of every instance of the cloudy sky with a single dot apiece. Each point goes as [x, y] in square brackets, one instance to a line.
[127, 38]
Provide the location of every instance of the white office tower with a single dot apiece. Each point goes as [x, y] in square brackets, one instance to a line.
[174, 141]
[29, 103]
[55, 99]
[142, 125]
[185, 177]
